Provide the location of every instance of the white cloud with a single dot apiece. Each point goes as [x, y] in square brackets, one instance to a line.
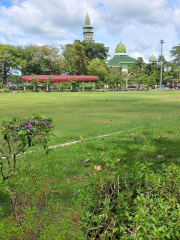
[7, 35]
[139, 24]
[176, 20]
[142, 44]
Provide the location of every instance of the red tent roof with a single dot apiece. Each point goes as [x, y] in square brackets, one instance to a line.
[62, 78]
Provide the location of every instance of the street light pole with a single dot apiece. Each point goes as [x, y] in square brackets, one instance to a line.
[161, 62]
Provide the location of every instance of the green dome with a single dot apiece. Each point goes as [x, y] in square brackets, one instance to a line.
[120, 48]
[152, 59]
[87, 20]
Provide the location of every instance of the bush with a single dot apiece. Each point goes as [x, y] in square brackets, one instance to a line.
[132, 203]
[17, 136]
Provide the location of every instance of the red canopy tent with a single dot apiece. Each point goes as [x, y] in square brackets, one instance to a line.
[62, 78]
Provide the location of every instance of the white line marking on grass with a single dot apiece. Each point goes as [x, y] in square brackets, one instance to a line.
[71, 143]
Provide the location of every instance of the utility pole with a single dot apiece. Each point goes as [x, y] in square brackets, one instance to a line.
[161, 63]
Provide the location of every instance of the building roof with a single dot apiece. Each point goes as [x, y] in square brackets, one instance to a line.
[117, 60]
[152, 59]
[62, 78]
[120, 48]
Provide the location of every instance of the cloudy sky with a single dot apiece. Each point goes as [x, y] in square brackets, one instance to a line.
[138, 24]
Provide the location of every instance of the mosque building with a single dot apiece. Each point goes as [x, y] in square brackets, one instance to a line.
[122, 59]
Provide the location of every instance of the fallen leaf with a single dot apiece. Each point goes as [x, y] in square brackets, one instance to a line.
[101, 157]
[112, 120]
[164, 149]
[98, 168]
[87, 160]
[68, 181]
[51, 181]
[165, 137]
[31, 166]
[143, 138]
[82, 178]
[74, 177]
[67, 166]
[81, 137]
[75, 218]
[121, 159]
[160, 156]
[88, 153]
[102, 138]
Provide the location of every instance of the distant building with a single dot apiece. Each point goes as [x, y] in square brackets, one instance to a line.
[152, 59]
[121, 59]
[88, 30]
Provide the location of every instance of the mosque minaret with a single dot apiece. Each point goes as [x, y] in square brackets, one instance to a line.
[88, 30]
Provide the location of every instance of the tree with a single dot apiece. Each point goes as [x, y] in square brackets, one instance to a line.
[67, 53]
[97, 67]
[79, 58]
[150, 68]
[34, 82]
[47, 83]
[89, 85]
[95, 50]
[15, 79]
[137, 79]
[72, 83]
[58, 85]
[139, 65]
[40, 60]
[175, 54]
[149, 81]
[153, 68]
[9, 61]
[115, 78]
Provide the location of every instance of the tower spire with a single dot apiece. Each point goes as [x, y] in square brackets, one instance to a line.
[87, 20]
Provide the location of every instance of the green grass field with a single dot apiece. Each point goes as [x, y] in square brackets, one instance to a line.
[153, 118]
[144, 127]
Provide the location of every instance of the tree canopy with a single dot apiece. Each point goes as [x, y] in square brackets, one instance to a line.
[40, 60]
[175, 54]
[95, 50]
[97, 67]
[9, 60]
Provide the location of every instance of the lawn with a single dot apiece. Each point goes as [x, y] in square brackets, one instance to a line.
[131, 126]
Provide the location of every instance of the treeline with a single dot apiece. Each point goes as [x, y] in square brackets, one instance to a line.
[83, 58]
[77, 58]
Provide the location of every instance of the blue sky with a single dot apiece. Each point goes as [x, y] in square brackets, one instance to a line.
[139, 24]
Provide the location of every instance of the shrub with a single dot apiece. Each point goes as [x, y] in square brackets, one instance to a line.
[132, 203]
[17, 136]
